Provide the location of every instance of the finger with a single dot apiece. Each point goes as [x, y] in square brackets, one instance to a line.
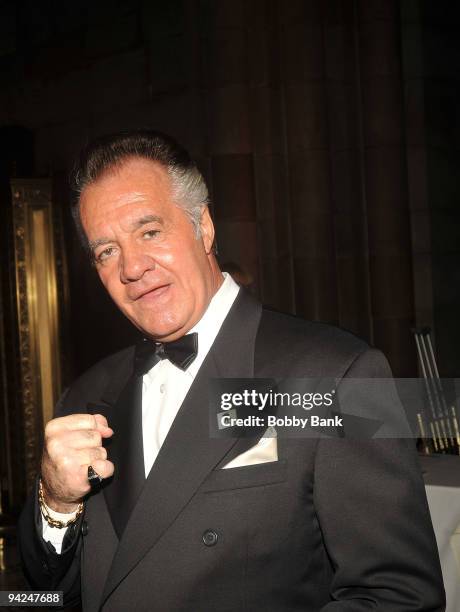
[104, 468]
[75, 440]
[107, 433]
[89, 455]
[101, 420]
[71, 422]
[103, 426]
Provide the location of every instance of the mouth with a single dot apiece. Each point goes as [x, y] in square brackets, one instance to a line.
[150, 294]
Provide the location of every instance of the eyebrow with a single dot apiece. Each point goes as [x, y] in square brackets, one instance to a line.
[93, 244]
[147, 219]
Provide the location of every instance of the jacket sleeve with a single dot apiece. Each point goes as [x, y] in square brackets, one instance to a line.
[43, 567]
[371, 504]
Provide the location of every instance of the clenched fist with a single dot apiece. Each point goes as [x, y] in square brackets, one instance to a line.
[72, 443]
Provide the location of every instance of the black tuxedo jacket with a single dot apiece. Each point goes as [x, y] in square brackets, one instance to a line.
[332, 525]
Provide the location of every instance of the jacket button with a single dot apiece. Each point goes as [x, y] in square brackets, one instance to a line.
[84, 528]
[210, 538]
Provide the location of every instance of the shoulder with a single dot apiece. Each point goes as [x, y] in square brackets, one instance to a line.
[306, 348]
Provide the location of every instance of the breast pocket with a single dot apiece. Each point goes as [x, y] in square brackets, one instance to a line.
[246, 476]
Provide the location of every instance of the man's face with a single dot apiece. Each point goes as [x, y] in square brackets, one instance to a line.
[146, 251]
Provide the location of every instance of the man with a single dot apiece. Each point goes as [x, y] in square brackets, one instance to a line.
[184, 521]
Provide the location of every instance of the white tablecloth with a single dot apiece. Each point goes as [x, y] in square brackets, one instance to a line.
[442, 483]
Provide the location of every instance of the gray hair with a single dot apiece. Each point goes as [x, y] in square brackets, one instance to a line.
[190, 193]
[189, 188]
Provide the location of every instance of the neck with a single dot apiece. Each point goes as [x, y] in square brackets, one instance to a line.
[217, 278]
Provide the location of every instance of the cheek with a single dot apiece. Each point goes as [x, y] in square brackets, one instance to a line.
[182, 263]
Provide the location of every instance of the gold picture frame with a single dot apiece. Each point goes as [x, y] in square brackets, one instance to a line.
[37, 311]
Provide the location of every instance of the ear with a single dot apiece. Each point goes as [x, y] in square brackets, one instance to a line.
[207, 230]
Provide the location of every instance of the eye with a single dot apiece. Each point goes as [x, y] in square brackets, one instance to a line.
[104, 255]
[149, 234]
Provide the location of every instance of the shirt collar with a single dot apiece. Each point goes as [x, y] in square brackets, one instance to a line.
[210, 323]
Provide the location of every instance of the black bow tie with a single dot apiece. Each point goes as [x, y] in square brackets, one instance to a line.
[180, 352]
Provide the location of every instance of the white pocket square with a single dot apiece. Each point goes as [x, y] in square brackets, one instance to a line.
[265, 451]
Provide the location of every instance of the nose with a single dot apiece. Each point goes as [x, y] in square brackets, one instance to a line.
[134, 263]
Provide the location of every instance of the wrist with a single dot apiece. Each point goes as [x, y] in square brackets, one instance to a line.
[57, 505]
[57, 522]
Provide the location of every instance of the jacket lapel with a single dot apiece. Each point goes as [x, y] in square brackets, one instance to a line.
[188, 453]
[125, 450]
[121, 404]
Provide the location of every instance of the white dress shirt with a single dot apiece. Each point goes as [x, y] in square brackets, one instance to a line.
[164, 388]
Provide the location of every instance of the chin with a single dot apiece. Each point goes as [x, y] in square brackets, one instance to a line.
[159, 330]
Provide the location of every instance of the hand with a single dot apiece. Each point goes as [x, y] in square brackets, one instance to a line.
[72, 443]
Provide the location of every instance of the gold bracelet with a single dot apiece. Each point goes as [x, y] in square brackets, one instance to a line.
[49, 519]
